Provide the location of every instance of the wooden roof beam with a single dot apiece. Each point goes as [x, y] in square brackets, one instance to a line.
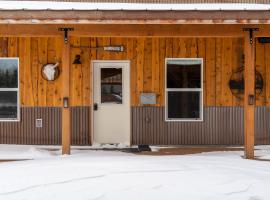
[136, 30]
[112, 30]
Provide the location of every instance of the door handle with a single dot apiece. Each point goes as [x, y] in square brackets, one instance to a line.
[95, 106]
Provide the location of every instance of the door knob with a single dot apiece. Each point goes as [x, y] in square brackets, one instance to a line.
[95, 106]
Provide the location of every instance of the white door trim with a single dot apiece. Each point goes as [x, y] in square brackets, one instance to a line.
[92, 92]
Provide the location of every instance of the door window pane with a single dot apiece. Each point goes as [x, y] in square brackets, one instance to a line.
[111, 85]
[183, 75]
[184, 105]
[8, 73]
[8, 104]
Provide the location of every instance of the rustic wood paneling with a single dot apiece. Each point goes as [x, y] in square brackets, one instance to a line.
[222, 56]
[33, 54]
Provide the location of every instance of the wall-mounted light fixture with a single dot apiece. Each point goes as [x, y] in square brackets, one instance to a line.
[77, 60]
[65, 102]
[251, 99]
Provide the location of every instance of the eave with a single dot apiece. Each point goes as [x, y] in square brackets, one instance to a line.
[134, 17]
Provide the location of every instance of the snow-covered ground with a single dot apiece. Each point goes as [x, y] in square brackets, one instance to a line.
[88, 174]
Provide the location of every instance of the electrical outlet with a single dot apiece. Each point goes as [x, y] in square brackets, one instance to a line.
[38, 123]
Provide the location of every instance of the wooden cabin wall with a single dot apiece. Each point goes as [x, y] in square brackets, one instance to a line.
[147, 55]
[33, 53]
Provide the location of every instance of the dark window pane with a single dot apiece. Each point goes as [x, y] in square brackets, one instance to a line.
[8, 73]
[184, 105]
[8, 105]
[111, 85]
[183, 74]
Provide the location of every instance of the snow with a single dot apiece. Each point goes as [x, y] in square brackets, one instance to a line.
[45, 5]
[113, 175]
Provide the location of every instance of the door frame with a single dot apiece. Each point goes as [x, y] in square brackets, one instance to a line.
[93, 62]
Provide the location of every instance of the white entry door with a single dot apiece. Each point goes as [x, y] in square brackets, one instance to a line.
[111, 102]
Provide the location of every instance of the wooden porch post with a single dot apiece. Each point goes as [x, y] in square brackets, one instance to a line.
[66, 133]
[249, 96]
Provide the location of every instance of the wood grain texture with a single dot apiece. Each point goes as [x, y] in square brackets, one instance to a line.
[66, 125]
[222, 56]
[249, 108]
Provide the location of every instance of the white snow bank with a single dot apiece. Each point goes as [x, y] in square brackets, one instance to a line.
[37, 5]
[120, 176]
[21, 152]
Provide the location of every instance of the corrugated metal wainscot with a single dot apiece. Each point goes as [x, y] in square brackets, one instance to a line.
[26, 132]
[221, 126]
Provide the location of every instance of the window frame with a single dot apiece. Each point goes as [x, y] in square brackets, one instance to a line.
[13, 90]
[200, 90]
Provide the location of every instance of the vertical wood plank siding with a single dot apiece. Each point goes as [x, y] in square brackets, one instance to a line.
[25, 131]
[221, 126]
[222, 57]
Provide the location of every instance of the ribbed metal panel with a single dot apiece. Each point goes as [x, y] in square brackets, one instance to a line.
[25, 131]
[221, 126]
[80, 125]
[262, 125]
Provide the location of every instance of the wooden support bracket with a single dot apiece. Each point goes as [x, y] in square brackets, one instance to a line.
[251, 35]
[66, 30]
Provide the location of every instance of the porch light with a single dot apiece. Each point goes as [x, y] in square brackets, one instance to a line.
[77, 60]
[65, 102]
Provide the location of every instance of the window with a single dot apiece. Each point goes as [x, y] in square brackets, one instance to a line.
[184, 93]
[9, 89]
[111, 85]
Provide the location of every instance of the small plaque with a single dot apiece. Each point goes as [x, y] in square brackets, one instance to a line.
[148, 98]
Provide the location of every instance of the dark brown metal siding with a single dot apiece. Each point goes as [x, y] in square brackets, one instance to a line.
[80, 125]
[262, 125]
[221, 126]
[25, 131]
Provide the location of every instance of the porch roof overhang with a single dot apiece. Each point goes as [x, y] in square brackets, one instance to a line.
[14, 12]
[134, 17]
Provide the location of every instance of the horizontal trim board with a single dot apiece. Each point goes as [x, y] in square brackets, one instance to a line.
[103, 15]
[221, 126]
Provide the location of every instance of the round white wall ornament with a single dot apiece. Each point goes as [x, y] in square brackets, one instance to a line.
[50, 72]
